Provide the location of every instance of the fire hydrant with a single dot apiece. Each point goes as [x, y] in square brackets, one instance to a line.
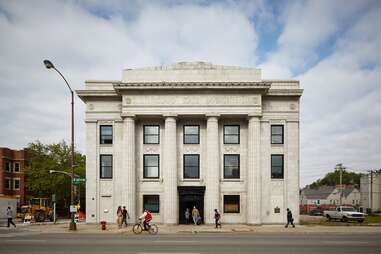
[103, 223]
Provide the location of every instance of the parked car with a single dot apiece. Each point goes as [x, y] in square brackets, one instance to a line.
[344, 213]
[316, 212]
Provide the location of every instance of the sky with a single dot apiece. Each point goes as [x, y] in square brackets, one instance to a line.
[331, 47]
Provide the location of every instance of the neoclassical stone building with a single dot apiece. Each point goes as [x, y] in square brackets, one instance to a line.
[192, 134]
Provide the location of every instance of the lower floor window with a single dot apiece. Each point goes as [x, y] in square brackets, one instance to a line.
[8, 183]
[231, 204]
[17, 184]
[151, 203]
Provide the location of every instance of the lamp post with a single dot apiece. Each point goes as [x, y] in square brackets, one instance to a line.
[49, 65]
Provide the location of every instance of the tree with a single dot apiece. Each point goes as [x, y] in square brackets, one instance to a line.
[333, 178]
[45, 157]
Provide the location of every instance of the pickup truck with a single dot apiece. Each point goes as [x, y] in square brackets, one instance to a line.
[344, 213]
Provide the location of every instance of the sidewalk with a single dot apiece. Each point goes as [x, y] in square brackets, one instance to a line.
[192, 229]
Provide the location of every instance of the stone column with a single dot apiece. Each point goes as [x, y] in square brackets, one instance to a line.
[213, 170]
[169, 171]
[129, 166]
[253, 203]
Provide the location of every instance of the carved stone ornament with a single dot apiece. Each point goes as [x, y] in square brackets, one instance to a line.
[231, 149]
[150, 149]
[91, 106]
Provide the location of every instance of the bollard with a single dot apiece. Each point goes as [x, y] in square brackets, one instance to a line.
[103, 223]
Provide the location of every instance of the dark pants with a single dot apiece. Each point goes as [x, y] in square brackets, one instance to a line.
[146, 224]
[187, 220]
[217, 223]
[10, 222]
[290, 221]
[124, 221]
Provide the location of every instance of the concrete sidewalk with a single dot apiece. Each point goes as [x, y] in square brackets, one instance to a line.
[63, 227]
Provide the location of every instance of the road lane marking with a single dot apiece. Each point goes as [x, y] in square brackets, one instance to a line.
[175, 241]
[25, 240]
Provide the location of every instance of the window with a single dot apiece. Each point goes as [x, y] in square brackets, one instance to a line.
[231, 204]
[16, 184]
[191, 134]
[231, 165]
[191, 166]
[276, 134]
[8, 166]
[106, 166]
[151, 134]
[277, 166]
[106, 134]
[17, 167]
[151, 166]
[231, 134]
[151, 203]
[8, 183]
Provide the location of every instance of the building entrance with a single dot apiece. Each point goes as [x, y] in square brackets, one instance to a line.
[190, 196]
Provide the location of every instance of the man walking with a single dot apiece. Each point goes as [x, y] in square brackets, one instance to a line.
[195, 215]
[217, 217]
[10, 216]
[125, 216]
[290, 220]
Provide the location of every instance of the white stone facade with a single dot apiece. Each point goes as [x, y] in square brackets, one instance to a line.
[194, 94]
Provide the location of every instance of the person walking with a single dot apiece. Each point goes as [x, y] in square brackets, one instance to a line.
[119, 216]
[10, 216]
[290, 220]
[126, 216]
[187, 216]
[195, 215]
[217, 217]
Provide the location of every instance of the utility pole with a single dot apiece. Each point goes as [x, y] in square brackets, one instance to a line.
[340, 167]
[371, 191]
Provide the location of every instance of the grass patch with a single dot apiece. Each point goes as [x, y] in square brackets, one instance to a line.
[321, 221]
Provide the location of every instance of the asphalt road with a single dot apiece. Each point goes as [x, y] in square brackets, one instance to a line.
[29, 242]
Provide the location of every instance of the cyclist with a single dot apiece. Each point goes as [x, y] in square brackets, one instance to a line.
[147, 216]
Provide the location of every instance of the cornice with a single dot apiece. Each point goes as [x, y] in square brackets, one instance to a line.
[191, 85]
[285, 92]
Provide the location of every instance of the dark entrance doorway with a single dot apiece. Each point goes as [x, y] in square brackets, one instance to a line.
[190, 196]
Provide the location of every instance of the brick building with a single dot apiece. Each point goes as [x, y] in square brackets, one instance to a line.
[12, 165]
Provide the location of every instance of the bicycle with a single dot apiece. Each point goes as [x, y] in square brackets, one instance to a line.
[138, 228]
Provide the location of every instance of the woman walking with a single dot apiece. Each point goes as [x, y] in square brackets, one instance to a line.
[119, 215]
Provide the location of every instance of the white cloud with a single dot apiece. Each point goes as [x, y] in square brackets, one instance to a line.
[35, 103]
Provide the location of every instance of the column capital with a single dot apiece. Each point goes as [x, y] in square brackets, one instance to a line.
[127, 115]
[253, 117]
[170, 115]
[210, 116]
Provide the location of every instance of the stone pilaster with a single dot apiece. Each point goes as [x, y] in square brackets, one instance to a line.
[212, 170]
[169, 171]
[129, 197]
[253, 204]
[92, 177]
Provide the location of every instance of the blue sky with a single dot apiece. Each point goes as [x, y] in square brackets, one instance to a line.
[332, 47]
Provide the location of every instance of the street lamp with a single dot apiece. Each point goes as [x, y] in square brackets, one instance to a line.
[49, 65]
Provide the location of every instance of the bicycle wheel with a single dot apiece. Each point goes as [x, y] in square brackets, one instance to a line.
[153, 229]
[137, 228]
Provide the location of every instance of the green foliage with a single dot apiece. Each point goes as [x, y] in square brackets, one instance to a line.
[45, 157]
[333, 178]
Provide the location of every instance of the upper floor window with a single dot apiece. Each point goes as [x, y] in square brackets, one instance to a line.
[191, 134]
[276, 134]
[106, 166]
[151, 134]
[151, 203]
[231, 166]
[277, 166]
[8, 166]
[231, 204]
[16, 184]
[191, 166]
[17, 167]
[231, 134]
[106, 134]
[151, 165]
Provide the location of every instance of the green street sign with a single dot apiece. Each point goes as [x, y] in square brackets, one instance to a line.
[79, 180]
